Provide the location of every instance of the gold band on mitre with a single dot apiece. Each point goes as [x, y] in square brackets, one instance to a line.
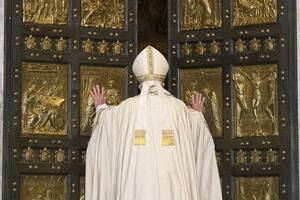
[148, 77]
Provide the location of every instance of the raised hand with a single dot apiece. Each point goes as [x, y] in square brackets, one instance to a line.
[98, 95]
[197, 102]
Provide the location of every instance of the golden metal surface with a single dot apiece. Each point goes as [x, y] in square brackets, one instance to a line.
[241, 157]
[255, 45]
[103, 14]
[255, 100]
[208, 81]
[45, 11]
[30, 42]
[60, 155]
[43, 187]
[240, 46]
[200, 49]
[45, 155]
[46, 43]
[271, 156]
[255, 157]
[270, 44]
[103, 47]
[28, 154]
[87, 46]
[214, 48]
[112, 79]
[118, 48]
[262, 188]
[186, 49]
[200, 14]
[249, 12]
[44, 99]
[82, 188]
[61, 44]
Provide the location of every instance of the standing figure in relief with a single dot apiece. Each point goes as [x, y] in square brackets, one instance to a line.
[240, 95]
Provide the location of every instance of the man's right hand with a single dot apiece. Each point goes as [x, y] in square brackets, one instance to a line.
[197, 102]
[98, 95]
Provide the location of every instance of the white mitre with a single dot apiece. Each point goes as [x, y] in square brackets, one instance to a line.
[150, 64]
[150, 68]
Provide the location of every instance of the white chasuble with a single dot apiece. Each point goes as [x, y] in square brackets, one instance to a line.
[171, 157]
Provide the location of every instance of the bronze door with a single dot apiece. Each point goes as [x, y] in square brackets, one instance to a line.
[240, 55]
[56, 51]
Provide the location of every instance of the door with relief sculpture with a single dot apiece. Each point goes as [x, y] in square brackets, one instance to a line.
[56, 51]
[239, 55]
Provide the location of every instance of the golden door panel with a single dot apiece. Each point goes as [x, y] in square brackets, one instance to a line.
[255, 100]
[45, 11]
[82, 188]
[250, 12]
[35, 187]
[103, 14]
[112, 79]
[208, 81]
[203, 14]
[257, 188]
[44, 99]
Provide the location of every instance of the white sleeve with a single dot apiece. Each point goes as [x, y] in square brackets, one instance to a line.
[100, 107]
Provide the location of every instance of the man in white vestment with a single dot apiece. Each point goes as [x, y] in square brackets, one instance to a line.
[152, 146]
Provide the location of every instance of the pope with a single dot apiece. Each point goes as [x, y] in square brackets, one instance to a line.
[151, 146]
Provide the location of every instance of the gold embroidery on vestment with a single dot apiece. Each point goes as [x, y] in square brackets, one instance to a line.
[139, 137]
[167, 138]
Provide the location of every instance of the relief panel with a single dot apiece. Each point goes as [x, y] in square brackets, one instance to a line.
[40, 187]
[264, 188]
[44, 99]
[45, 11]
[251, 12]
[200, 14]
[208, 81]
[255, 100]
[103, 14]
[112, 79]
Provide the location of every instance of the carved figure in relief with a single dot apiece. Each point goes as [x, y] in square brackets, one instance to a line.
[61, 44]
[212, 111]
[30, 42]
[255, 157]
[270, 44]
[240, 46]
[103, 47]
[186, 49]
[112, 94]
[41, 107]
[191, 91]
[118, 48]
[200, 48]
[271, 86]
[255, 80]
[201, 14]
[254, 12]
[255, 45]
[214, 48]
[90, 110]
[45, 11]
[103, 14]
[271, 156]
[240, 94]
[28, 103]
[257, 188]
[241, 157]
